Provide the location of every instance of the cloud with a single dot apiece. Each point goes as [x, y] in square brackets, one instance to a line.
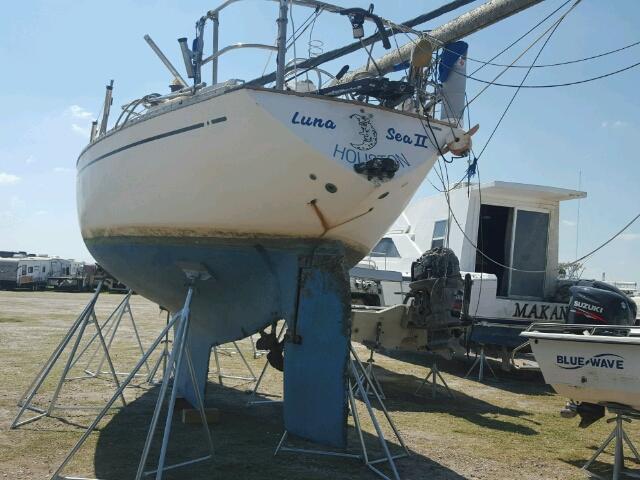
[30, 159]
[76, 111]
[569, 223]
[80, 130]
[16, 203]
[614, 124]
[7, 218]
[82, 119]
[41, 212]
[629, 237]
[63, 170]
[8, 178]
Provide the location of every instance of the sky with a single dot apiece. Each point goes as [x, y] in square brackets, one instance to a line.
[59, 55]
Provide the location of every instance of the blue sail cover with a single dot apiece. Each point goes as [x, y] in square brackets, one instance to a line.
[450, 55]
[452, 89]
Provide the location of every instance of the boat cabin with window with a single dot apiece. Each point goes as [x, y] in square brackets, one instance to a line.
[506, 237]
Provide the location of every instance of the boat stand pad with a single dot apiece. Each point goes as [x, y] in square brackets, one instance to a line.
[317, 351]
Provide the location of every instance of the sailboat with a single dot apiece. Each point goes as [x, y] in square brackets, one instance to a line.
[267, 193]
[241, 178]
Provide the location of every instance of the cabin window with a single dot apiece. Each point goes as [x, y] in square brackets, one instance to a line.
[529, 253]
[23, 270]
[439, 233]
[385, 248]
[44, 269]
[30, 269]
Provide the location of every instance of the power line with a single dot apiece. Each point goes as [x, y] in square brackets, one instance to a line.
[446, 189]
[551, 85]
[522, 36]
[559, 64]
[504, 113]
[584, 257]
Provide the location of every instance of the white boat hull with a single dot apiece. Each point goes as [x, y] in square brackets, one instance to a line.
[590, 368]
[214, 180]
[245, 167]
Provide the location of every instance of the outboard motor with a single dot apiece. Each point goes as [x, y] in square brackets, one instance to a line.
[598, 303]
[436, 289]
[452, 77]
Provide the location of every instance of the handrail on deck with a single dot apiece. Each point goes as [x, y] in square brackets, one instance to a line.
[214, 16]
[236, 46]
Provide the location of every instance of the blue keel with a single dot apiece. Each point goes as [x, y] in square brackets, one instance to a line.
[254, 284]
[316, 354]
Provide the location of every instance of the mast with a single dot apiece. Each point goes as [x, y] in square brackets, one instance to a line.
[480, 17]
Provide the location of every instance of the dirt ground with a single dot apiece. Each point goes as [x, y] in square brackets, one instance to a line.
[503, 429]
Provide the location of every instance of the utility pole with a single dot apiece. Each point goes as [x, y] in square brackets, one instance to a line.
[578, 216]
[481, 17]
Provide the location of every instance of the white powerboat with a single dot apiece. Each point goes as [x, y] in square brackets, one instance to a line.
[588, 363]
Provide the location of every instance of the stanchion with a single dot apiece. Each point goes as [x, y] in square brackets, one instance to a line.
[432, 379]
[163, 357]
[219, 372]
[623, 414]
[78, 328]
[481, 362]
[359, 379]
[179, 354]
[124, 308]
[372, 375]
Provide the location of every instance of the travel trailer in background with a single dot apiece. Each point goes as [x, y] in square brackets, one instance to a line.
[34, 271]
[20, 270]
[505, 236]
[8, 273]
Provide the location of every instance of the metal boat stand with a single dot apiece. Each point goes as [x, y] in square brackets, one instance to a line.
[434, 374]
[372, 375]
[359, 378]
[481, 362]
[179, 354]
[256, 353]
[622, 414]
[111, 324]
[163, 357]
[218, 351]
[78, 329]
[254, 392]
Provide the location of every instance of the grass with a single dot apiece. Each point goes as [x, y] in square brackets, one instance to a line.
[505, 429]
